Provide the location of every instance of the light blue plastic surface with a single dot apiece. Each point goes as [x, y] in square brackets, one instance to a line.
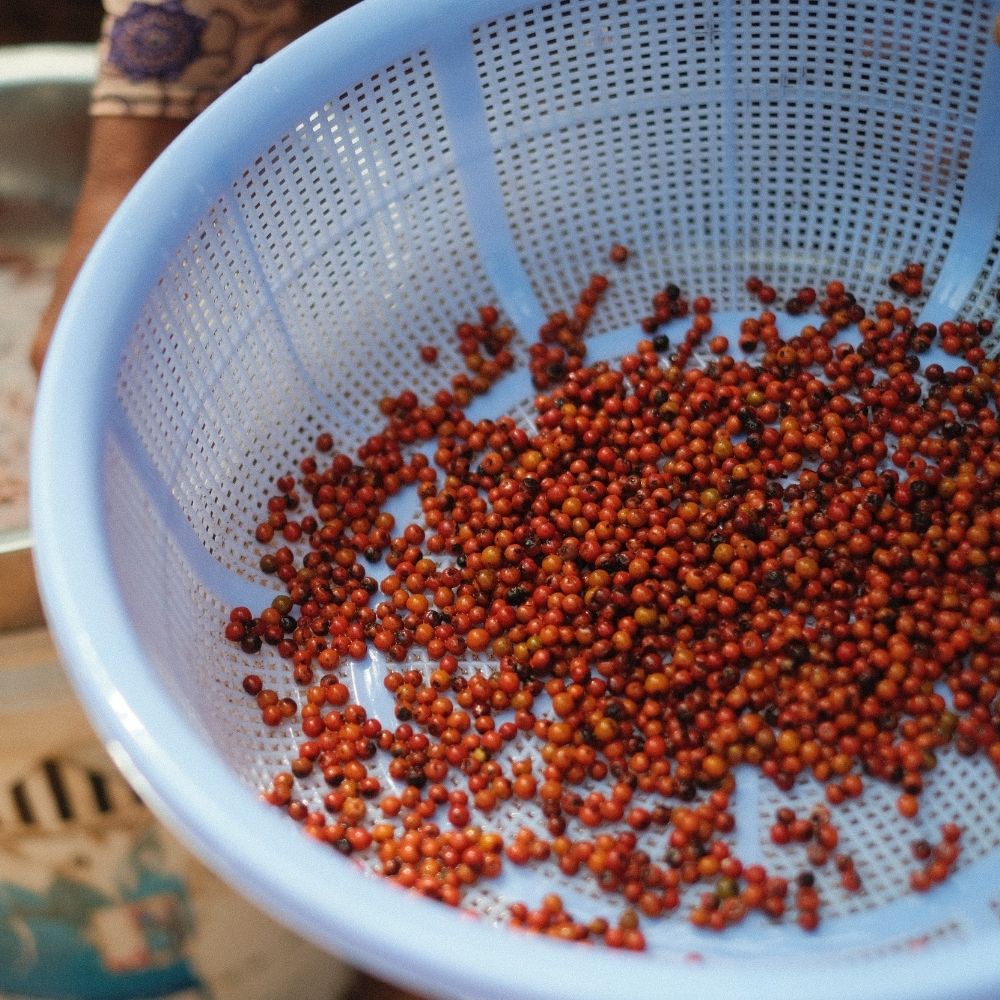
[355, 197]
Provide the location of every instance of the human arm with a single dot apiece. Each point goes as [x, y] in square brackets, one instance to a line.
[120, 150]
[161, 62]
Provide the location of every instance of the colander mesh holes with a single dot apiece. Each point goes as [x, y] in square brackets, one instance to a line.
[984, 299]
[201, 389]
[964, 789]
[867, 830]
[603, 117]
[374, 254]
[178, 598]
[846, 89]
[720, 140]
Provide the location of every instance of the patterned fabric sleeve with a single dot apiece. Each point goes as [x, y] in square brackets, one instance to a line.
[172, 58]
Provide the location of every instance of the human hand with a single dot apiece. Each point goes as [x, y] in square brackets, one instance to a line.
[119, 152]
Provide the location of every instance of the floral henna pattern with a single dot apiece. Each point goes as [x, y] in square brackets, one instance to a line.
[172, 58]
[155, 42]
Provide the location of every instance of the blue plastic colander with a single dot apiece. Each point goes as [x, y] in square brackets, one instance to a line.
[354, 197]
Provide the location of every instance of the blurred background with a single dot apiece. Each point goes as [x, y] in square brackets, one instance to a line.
[28, 21]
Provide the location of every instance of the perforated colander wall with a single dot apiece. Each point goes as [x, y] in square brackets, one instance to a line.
[801, 139]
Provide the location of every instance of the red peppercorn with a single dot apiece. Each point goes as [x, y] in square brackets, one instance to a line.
[674, 572]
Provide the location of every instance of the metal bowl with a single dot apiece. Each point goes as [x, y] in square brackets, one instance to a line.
[44, 94]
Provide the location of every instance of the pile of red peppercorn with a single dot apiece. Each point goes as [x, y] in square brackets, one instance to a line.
[786, 558]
